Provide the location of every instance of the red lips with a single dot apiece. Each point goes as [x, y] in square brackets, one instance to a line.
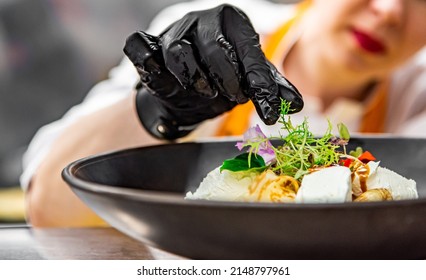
[368, 43]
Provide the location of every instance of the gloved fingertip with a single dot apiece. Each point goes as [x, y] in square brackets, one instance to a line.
[270, 119]
[296, 104]
[139, 46]
[269, 112]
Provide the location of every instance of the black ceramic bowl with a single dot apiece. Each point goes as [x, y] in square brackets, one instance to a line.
[141, 193]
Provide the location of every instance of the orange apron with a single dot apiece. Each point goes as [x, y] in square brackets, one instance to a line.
[237, 121]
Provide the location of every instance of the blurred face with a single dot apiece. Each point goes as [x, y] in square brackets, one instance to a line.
[369, 36]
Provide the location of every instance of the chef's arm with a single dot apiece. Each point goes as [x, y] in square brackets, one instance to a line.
[50, 201]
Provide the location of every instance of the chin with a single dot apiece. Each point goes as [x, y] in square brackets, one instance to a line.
[355, 61]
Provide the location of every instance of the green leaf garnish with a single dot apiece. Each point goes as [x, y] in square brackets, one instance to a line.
[343, 131]
[244, 162]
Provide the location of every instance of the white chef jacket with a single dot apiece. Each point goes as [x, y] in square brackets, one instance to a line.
[409, 108]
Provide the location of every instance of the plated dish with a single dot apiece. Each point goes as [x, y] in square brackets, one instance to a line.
[141, 193]
[302, 168]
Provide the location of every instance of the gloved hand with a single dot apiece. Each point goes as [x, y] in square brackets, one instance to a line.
[202, 66]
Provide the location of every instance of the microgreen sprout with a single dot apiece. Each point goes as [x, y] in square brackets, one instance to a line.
[301, 150]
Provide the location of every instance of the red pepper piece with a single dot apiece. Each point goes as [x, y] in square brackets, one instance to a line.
[347, 162]
[366, 156]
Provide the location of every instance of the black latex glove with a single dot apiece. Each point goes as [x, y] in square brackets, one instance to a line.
[202, 66]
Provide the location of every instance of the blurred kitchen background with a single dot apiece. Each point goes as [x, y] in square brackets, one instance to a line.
[51, 53]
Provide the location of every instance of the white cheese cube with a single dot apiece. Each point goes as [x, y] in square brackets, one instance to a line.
[328, 185]
[399, 186]
[225, 185]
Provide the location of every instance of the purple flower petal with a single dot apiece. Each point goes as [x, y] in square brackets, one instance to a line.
[240, 145]
[267, 153]
[256, 135]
